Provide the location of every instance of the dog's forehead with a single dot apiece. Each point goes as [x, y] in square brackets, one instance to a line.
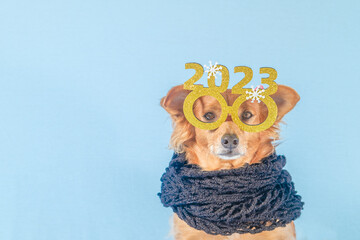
[209, 101]
[229, 97]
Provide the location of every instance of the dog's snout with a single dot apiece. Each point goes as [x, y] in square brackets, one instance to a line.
[230, 141]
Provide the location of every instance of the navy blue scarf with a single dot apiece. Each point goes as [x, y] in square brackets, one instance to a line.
[251, 199]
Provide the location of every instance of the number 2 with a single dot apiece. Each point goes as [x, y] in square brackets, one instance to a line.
[199, 71]
[238, 88]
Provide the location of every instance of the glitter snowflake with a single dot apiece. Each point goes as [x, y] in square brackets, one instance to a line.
[255, 94]
[212, 70]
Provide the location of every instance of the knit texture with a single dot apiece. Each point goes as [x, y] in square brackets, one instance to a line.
[251, 199]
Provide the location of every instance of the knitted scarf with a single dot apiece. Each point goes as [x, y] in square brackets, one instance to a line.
[251, 199]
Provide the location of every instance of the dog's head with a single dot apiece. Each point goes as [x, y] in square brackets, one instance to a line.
[227, 146]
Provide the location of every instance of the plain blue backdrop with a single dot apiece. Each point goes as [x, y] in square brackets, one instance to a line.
[83, 140]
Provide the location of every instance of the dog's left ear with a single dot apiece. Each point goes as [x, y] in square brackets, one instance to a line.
[174, 100]
[285, 99]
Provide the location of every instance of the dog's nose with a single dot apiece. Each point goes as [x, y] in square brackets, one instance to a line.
[230, 141]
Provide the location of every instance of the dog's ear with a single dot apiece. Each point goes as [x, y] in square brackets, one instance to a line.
[285, 99]
[174, 100]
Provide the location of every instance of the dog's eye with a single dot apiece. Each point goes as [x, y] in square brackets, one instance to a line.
[209, 116]
[246, 115]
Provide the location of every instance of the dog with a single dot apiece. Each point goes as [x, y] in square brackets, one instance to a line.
[226, 147]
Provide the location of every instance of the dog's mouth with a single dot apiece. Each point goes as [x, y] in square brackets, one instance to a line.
[230, 154]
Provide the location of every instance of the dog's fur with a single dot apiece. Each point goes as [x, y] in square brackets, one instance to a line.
[204, 148]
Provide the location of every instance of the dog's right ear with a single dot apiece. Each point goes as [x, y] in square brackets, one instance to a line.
[173, 102]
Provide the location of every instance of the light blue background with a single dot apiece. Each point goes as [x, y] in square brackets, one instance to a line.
[83, 140]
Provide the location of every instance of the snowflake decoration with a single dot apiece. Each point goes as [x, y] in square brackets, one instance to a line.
[255, 94]
[212, 70]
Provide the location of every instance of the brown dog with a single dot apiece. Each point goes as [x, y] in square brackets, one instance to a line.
[227, 146]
